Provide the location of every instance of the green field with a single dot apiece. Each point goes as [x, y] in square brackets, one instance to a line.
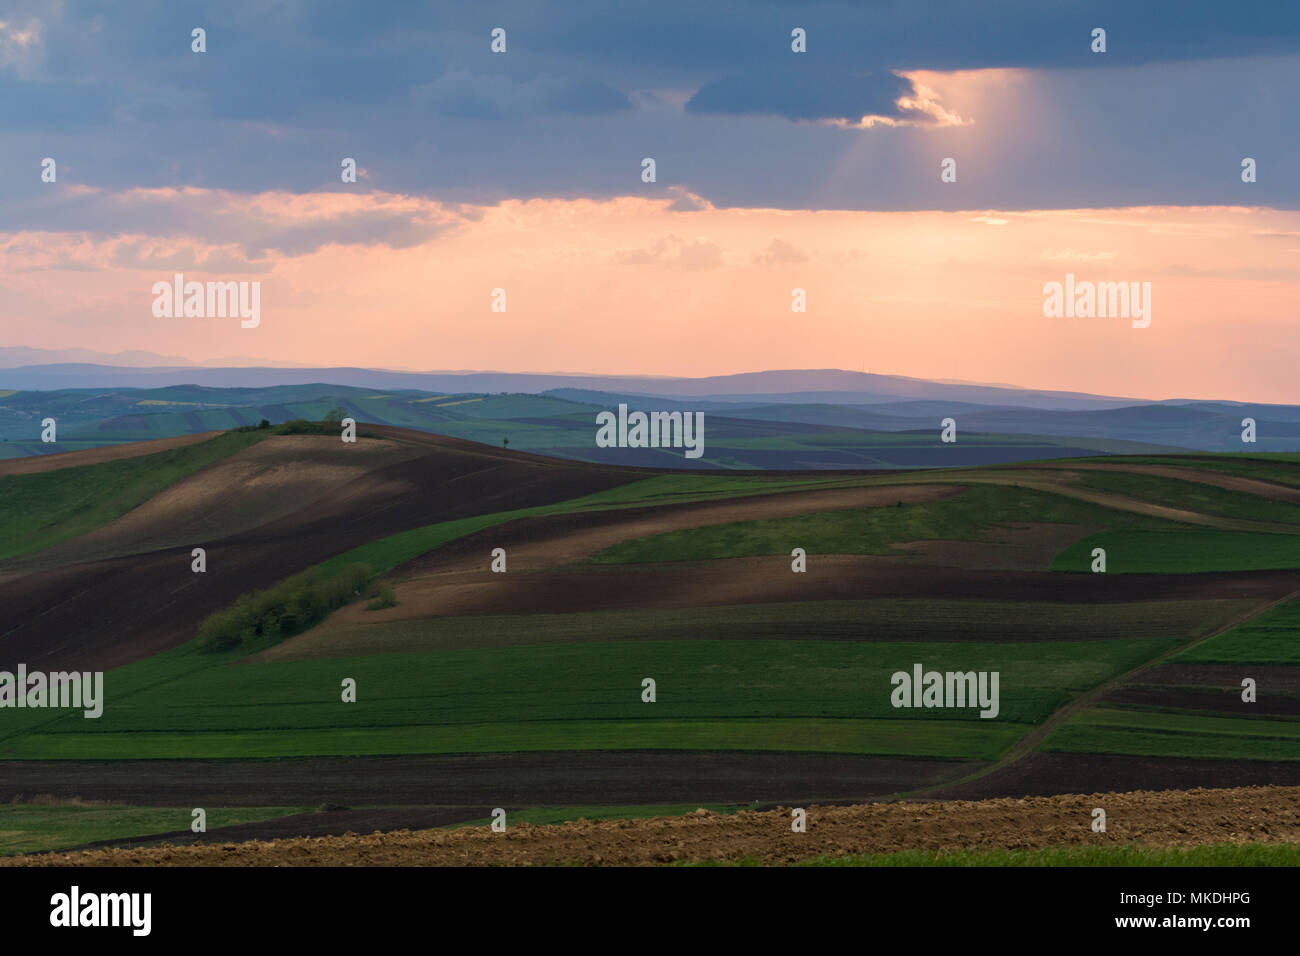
[1271, 638]
[810, 677]
[384, 554]
[969, 516]
[1281, 469]
[1154, 733]
[29, 827]
[680, 489]
[1192, 496]
[937, 739]
[1184, 551]
[1134, 543]
[712, 695]
[47, 507]
[1167, 731]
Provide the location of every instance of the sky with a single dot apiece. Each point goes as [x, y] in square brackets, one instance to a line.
[517, 176]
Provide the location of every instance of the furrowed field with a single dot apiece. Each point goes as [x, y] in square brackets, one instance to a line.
[620, 576]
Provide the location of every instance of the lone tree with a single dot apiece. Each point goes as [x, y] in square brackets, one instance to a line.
[505, 443]
[335, 415]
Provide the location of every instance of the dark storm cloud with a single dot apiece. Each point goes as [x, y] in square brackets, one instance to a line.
[711, 90]
[800, 95]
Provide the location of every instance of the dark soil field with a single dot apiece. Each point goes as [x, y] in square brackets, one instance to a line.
[1250, 486]
[1203, 699]
[124, 591]
[1240, 815]
[829, 577]
[94, 456]
[106, 613]
[1045, 774]
[268, 481]
[476, 781]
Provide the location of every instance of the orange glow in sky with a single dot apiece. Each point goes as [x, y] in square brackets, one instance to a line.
[630, 285]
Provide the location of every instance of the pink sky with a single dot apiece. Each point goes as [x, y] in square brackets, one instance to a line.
[632, 285]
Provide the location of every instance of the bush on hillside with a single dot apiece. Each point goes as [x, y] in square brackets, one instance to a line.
[287, 608]
[383, 597]
[260, 426]
[300, 426]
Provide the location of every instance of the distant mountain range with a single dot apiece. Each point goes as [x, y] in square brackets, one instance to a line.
[816, 385]
[768, 428]
[811, 418]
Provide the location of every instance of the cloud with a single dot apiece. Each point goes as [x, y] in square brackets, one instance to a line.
[800, 95]
[257, 226]
[674, 251]
[1069, 255]
[686, 201]
[20, 45]
[36, 252]
[141, 253]
[53, 105]
[779, 252]
[586, 90]
[461, 94]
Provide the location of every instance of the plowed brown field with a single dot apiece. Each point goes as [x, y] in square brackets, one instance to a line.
[268, 481]
[94, 456]
[1219, 479]
[762, 580]
[101, 614]
[1170, 818]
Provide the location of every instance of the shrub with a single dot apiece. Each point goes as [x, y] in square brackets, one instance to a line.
[384, 597]
[286, 608]
[300, 426]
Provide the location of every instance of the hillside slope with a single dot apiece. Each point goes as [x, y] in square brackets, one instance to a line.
[105, 612]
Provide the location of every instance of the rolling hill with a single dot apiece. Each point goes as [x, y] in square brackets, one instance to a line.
[738, 435]
[524, 686]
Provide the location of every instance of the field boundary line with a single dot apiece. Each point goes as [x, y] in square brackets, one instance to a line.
[1031, 740]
